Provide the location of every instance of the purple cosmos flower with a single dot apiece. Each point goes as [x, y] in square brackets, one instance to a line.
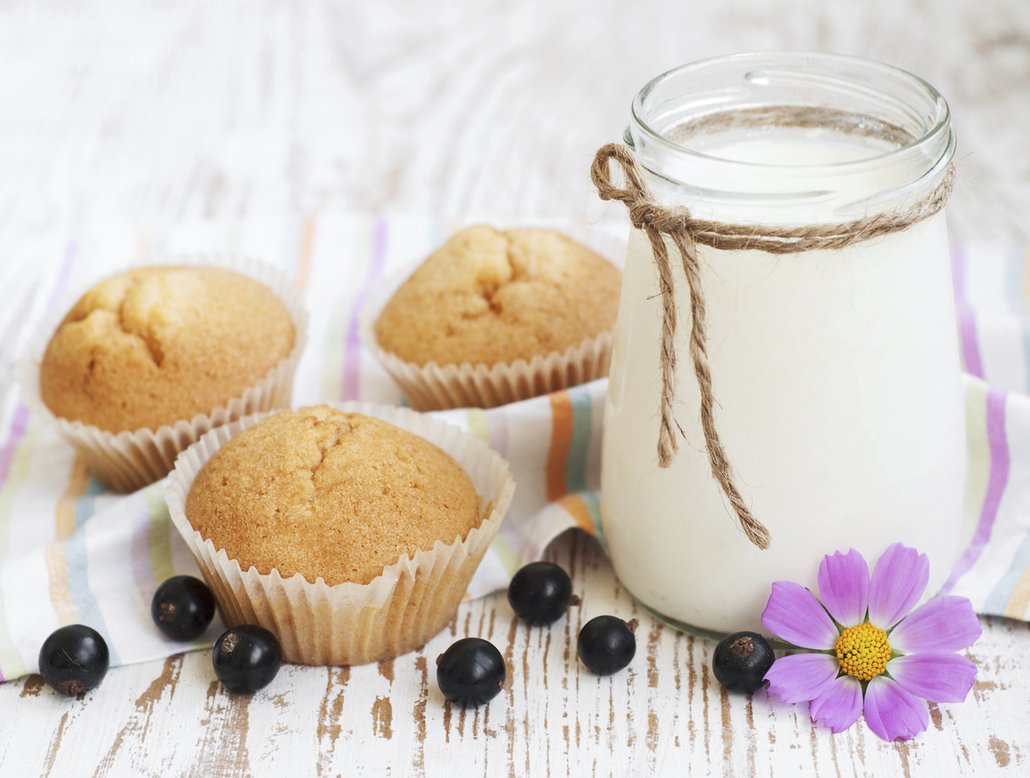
[867, 651]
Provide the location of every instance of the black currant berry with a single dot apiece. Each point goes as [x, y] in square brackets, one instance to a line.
[74, 659]
[540, 593]
[246, 658]
[471, 672]
[182, 607]
[741, 661]
[606, 644]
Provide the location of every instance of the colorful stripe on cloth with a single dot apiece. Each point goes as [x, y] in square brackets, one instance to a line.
[69, 552]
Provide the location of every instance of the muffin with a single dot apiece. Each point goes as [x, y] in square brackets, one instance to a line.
[148, 360]
[330, 495]
[156, 344]
[494, 316]
[351, 532]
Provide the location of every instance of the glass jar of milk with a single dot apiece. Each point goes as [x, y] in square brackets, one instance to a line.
[835, 372]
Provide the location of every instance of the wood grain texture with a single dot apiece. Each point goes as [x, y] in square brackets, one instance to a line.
[664, 715]
[148, 113]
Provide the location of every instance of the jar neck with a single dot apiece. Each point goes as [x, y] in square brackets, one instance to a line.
[790, 138]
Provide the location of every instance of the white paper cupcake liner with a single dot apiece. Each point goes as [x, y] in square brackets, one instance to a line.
[432, 387]
[131, 459]
[352, 623]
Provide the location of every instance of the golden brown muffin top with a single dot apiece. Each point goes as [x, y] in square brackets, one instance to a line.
[489, 296]
[158, 344]
[329, 494]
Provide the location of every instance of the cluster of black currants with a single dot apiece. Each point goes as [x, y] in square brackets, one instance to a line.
[471, 672]
[75, 658]
[246, 658]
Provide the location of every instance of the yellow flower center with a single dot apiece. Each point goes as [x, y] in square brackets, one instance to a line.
[863, 651]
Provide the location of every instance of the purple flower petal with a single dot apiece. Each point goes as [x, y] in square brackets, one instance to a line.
[795, 615]
[844, 587]
[801, 677]
[893, 713]
[839, 704]
[898, 581]
[943, 624]
[936, 677]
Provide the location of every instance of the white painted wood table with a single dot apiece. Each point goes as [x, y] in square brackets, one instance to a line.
[147, 113]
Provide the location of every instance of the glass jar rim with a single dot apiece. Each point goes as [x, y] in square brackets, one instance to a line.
[868, 93]
[932, 131]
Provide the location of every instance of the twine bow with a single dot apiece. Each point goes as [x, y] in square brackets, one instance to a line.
[677, 225]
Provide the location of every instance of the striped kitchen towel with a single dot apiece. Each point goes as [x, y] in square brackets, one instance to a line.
[69, 552]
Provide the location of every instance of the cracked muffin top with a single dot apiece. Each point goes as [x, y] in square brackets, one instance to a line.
[489, 296]
[158, 344]
[331, 495]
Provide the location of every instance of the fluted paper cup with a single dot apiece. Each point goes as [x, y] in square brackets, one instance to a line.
[350, 623]
[127, 460]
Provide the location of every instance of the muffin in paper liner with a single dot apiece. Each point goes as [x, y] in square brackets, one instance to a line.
[432, 386]
[128, 460]
[350, 623]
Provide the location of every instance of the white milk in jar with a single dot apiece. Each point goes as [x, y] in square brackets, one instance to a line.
[835, 372]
